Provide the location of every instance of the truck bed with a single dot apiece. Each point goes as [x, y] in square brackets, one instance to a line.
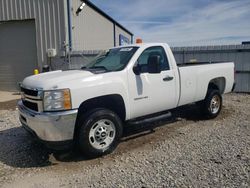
[200, 63]
[195, 78]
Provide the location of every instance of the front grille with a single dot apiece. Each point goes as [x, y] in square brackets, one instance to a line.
[32, 98]
[31, 105]
[29, 92]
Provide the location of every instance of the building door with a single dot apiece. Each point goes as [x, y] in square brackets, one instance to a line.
[18, 53]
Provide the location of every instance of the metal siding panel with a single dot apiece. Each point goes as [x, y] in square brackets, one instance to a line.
[242, 82]
[29, 9]
[25, 8]
[3, 10]
[19, 10]
[246, 82]
[7, 9]
[185, 59]
[198, 57]
[191, 56]
[178, 58]
[33, 9]
[63, 21]
[44, 30]
[53, 26]
[246, 61]
[181, 58]
[50, 21]
[241, 62]
[40, 40]
[48, 9]
[216, 56]
[222, 56]
[238, 61]
[188, 57]
[237, 81]
[58, 25]
[15, 16]
[232, 57]
[11, 9]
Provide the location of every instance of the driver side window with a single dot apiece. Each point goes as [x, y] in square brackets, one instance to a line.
[143, 59]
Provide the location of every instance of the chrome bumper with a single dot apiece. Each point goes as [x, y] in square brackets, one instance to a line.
[49, 127]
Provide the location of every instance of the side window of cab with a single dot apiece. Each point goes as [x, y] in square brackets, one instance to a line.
[157, 50]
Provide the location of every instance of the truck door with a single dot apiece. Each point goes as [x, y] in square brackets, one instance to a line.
[151, 93]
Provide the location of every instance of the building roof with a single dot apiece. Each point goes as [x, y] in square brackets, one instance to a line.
[106, 15]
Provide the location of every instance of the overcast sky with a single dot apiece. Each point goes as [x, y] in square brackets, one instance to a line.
[183, 22]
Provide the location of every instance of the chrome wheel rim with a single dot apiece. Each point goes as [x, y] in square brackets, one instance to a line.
[102, 134]
[215, 104]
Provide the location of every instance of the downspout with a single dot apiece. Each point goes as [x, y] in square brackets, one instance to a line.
[114, 34]
[69, 24]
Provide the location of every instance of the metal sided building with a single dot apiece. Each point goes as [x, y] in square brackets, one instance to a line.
[239, 54]
[32, 32]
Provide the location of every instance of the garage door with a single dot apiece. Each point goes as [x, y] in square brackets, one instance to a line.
[18, 52]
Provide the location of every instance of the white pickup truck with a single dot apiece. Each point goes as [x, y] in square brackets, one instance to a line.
[89, 107]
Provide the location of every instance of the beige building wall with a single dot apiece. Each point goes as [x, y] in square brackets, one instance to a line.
[91, 30]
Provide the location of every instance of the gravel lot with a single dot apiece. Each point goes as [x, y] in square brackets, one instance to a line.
[187, 152]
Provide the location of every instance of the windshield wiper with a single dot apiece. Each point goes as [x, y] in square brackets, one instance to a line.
[84, 68]
[99, 67]
[96, 69]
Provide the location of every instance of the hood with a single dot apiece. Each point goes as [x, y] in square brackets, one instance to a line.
[52, 80]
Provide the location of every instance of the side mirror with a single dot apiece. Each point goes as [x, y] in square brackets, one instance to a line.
[154, 66]
[137, 69]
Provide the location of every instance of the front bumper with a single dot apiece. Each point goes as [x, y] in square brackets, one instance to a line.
[54, 127]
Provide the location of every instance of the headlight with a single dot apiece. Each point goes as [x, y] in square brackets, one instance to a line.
[57, 100]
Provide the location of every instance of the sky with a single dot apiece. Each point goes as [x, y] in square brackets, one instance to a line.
[183, 22]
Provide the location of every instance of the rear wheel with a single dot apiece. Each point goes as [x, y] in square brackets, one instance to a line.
[99, 132]
[212, 104]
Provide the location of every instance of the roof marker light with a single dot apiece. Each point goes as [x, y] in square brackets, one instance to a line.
[138, 41]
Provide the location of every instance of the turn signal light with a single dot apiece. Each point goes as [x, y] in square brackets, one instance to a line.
[67, 99]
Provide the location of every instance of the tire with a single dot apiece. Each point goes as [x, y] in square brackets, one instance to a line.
[99, 132]
[212, 104]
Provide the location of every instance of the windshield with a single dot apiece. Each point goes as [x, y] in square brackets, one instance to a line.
[115, 60]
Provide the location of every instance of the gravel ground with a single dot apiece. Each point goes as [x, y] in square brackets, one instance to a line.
[186, 152]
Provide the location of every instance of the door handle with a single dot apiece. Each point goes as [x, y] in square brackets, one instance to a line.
[168, 78]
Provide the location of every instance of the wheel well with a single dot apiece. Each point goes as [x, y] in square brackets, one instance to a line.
[218, 83]
[114, 103]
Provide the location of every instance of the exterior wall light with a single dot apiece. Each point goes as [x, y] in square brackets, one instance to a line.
[80, 8]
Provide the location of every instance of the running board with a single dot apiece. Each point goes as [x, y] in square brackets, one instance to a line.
[150, 119]
[148, 123]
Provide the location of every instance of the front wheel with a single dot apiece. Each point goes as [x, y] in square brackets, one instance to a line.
[99, 133]
[212, 104]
